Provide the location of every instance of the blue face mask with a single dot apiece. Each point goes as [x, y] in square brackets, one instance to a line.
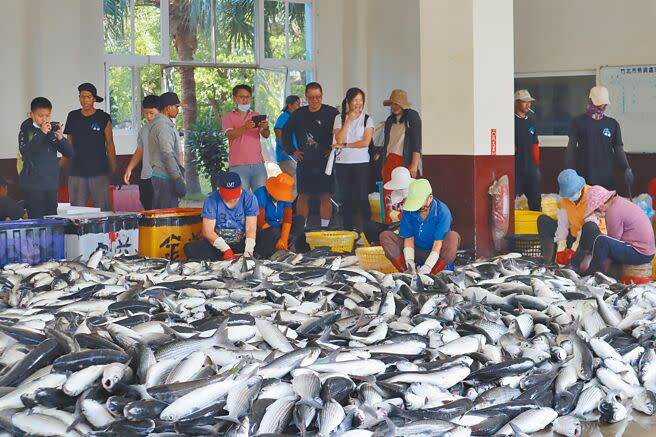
[244, 108]
[576, 197]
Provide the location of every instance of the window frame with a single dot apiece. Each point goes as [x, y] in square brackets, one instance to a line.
[136, 61]
[555, 140]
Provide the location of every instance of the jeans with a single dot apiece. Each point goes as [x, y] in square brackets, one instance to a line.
[203, 250]
[80, 188]
[353, 183]
[605, 248]
[253, 176]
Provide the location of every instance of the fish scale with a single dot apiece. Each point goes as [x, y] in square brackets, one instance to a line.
[309, 343]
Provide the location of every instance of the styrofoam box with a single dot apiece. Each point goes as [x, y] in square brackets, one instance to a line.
[115, 233]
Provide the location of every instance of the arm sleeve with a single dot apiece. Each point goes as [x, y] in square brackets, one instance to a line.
[209, 209]
[251, 207]
[618, 146]
[405, 229]
[226, 123]
[27, 147]
[370, 123]
[570, 160]
[165, 144]
[443, 226]
[63, 147]
[536, 154]
[287, 215]
[415, 131]
[562, 230]
[261, 218]
[68, 127]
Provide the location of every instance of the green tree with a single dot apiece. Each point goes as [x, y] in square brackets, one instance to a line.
[190, 20]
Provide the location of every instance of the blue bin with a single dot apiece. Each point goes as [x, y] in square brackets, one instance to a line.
[31, 241]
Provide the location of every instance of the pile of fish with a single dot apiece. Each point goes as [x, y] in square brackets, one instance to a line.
[311, 344]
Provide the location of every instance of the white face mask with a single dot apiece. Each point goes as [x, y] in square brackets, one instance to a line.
[36, 125]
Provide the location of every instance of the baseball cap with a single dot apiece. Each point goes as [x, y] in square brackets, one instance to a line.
[229, 185]
[599, 96]
[418, 192]
[169, 98]
[86, 86]
[524, 96]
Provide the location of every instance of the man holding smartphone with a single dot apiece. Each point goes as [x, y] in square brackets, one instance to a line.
[243, 128]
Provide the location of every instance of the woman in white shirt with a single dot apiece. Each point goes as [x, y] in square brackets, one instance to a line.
[353, 131]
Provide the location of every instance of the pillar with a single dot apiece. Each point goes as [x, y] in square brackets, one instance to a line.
[466, 75]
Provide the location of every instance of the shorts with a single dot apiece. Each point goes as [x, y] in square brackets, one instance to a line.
[312, 178]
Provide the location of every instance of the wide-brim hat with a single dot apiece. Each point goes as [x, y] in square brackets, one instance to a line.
[401, 179]
[281, 187]
[400, 97]
[595, 197]
[570, 183]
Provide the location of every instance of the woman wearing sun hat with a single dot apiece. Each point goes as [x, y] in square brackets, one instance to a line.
[397, 188]
[425, 234]
[276, 228]
[402, 140]
[630, 238]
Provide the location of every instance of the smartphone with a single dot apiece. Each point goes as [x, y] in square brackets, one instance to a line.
[257, 119]
[54, 125]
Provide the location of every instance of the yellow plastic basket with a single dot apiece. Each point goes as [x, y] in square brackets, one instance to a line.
[526, 222]
[338, 241]
[373, 258]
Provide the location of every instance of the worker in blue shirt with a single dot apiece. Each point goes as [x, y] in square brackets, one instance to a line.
[425, 235]
[276, 228]
[229, 222]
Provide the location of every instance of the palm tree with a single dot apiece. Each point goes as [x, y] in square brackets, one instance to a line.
[189, 19]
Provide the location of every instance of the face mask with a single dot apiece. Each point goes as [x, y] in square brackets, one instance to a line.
[36, 125]
[576, 197]
[244, 108]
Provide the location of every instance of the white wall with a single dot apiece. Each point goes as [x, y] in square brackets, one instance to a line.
[566, 35]
[48, 48]
[370, 44]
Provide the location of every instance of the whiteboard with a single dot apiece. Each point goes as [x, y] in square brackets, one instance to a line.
[632, 91]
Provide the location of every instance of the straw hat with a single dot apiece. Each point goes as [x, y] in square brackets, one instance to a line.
[400, 97]
[281, 187]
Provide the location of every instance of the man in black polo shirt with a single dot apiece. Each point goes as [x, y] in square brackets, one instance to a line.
[89, 130]
[527, 152]
[595, 143]
[313, 127]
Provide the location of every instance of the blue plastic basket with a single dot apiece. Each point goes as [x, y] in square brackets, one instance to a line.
[31, 241]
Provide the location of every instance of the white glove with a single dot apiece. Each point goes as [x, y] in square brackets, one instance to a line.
[409, 256]
[561, 245]
[220, 244]
[429, 263]
[249, 247]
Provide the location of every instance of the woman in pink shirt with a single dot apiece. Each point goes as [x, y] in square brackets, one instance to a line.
[245, 154]
[630, 238]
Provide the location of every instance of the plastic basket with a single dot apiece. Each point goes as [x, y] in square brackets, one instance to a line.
[373, 258]
[337, 241]
[527, 245]
[526, 222]
[636, 274]
[163, 233]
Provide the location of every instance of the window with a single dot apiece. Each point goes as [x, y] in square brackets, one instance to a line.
[558, 99]
[201, 49]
